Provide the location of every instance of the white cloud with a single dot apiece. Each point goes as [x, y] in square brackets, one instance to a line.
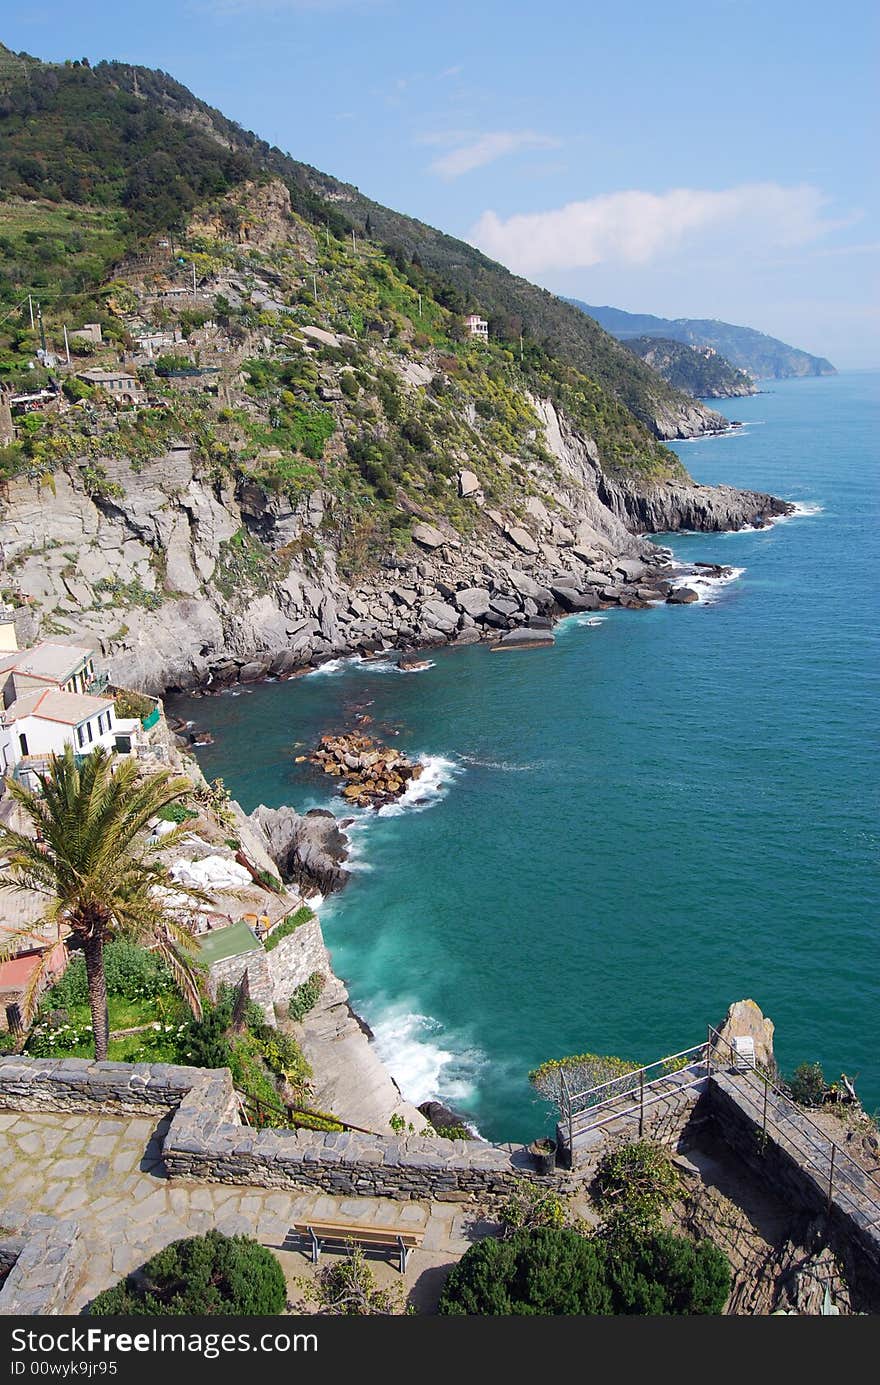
[642, 227]
[476, 151]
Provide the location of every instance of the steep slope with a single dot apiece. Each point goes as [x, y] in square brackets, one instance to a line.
[699, 371]
[761, 356]
[125, 137]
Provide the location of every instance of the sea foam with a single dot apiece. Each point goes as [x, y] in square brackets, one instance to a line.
[433, 784]
[426, 1064]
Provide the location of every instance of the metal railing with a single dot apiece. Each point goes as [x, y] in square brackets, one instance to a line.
[598, 1106]
[834, 1169]
[776, 1114]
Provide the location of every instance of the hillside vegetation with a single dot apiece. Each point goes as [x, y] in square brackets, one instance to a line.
[699, 371]
[761, 356]
[140, 152]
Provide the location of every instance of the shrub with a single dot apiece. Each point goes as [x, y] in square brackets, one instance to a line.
[211, 1274]
[667, 1274]
[288, 926]
[555, 1272]
[349, 385]
[175, 812]
[808, 1085]
[131, 971]
[305, 996]
[635, 1185]
[348, 1288]
[530, 1206]
[130, 704]
[549, 1272]
[270, 880]
[583, 1071]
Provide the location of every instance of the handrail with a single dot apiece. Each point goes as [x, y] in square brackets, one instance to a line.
[840, 1160]
[634, 1072]
[291, 1111]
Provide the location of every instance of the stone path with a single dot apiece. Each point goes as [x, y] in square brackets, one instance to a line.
[105, 1172]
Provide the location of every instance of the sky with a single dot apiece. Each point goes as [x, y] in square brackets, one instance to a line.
[711, 159]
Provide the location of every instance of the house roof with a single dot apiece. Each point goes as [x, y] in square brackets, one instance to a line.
[51, 663]
[51, 704]
[102, 377]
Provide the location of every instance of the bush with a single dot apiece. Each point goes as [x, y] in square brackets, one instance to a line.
[131, 971]
[665, 1274]
[635, 1185]
[531, 1206]
[175, 812]
[305, 996]
[549, 1273]
[808, 1085]
[348, 1288]
[556, 1272]
[212, 1274]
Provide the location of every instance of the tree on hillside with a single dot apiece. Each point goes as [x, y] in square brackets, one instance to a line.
[91, 860]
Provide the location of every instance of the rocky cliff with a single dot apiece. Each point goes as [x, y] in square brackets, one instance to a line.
[181, 578]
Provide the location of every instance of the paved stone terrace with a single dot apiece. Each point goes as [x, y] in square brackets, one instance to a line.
[106, 1173]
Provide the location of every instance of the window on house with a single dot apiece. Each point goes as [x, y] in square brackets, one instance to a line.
[80, 736]
[22, 741]
[89, 731]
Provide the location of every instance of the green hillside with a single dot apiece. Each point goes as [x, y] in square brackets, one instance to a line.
[761, 356]
[140, 152]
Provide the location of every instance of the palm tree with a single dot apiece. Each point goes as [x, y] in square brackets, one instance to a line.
[91, 859]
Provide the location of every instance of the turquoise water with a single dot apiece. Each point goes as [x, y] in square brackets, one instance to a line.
[660, 815]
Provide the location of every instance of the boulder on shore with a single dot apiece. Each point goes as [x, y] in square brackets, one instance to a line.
[308, 849]
[682, 596]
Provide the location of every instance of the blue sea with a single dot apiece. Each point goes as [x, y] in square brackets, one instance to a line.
[617, 837]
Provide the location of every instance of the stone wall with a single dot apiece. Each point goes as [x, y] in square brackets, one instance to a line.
[230, 970]
[789, 1154]
[295, 958]
[50, 1255]
[206, 1141]
[272, 975]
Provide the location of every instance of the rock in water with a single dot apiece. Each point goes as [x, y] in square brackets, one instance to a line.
[682, 596]
[745, 1020]
[307, 849]
[374, 773]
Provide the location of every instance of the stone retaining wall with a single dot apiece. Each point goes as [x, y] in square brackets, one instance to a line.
[207, 1142]
[295, 958]
[50, 1255]
[273, 974]
[794, 1160]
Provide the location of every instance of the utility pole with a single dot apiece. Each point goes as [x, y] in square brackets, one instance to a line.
[520, 348]
[194, 278]
[31, 307]
[326, 236]
[315, 286]
[66, 345]
[42, 328]
[353, 241]
[420, 305]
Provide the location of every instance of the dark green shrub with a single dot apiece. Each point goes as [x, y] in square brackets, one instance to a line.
[808, 1085]
[667, 1274]
[131, 971]
[305, 996]
[349, 385]
[546, 1273]
[557, 1271]
[211, 1275]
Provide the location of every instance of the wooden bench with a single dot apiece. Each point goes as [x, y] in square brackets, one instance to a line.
[318, 1234]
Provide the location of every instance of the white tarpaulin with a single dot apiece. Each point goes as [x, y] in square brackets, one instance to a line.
[211, 873]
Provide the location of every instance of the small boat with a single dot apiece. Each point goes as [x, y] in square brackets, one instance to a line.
[595, 620]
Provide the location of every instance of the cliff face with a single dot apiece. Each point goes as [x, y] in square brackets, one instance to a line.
[180, 578]
[699, 371]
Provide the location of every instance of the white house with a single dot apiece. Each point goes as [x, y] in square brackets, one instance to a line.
[43, 722]
[67, 667]
[477, 326]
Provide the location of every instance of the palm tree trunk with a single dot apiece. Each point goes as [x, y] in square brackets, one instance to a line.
[93, 950]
